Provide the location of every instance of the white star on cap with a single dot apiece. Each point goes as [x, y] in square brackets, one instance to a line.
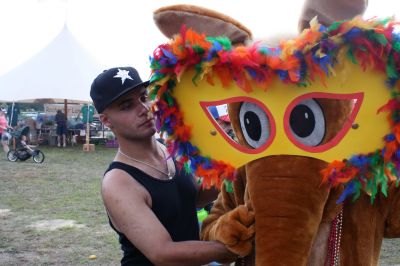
[123, 74]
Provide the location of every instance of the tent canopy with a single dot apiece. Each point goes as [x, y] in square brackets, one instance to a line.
[62, 70]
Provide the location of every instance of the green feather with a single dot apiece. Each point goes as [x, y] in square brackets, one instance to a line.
[391, 68]
[223, 41]
[334, 26]
[155, 64]
[186, 166]
[169, 99]
[153, 92]
[199, 69]
[228, 186]
[396, 46]
[156, 76]
[358, 187]
[264, 51]
[351, 56]
[380, 38]
[362, 48]
[385, 21]
[198, 49]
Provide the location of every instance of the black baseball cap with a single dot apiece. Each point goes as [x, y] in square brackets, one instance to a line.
[112, 84]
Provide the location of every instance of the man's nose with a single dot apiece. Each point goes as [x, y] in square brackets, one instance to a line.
[144, 106]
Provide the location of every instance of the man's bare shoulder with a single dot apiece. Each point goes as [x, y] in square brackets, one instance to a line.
[124, 198]
[117, 181]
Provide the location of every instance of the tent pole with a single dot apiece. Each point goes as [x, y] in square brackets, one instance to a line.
[88, 146]
[87, 126]
[12, 114]
[66, 108]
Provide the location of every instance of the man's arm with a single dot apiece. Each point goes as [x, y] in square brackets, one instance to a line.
[231, 220]
[205, 196]
[127, 203]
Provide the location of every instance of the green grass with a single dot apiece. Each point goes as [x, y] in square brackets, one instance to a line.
[67, 186]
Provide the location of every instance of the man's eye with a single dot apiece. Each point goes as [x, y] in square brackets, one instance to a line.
[143, 98]
[125, 106]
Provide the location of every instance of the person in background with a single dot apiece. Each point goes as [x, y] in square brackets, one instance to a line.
[13, 112]
[150, 204]
[4, 135]
[61, 130]
[25, 145]
[31, 123]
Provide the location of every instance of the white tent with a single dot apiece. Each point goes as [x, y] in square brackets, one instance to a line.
[62, 70]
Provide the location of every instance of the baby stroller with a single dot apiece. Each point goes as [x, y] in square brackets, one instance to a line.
[22, 151]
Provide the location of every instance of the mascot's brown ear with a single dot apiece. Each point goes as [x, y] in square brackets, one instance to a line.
[171, 18]
[328, 11]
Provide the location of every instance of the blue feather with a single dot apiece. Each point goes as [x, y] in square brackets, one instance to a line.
[170, 56]
[390, 137]
[352, 34]
[350, 188]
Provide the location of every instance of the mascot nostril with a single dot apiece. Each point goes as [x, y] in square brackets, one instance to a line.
[296, 172]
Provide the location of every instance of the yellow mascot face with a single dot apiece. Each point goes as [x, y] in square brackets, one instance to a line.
[322, 95]
[285, 119]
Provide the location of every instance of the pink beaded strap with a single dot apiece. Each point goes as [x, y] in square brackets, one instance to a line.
[335, 235]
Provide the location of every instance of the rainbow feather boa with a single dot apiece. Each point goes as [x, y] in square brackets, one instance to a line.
[372, 43]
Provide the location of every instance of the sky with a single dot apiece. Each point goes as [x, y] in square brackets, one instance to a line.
[122, 32]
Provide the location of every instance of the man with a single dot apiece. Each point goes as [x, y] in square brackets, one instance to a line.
[61, 129]
[150, 204]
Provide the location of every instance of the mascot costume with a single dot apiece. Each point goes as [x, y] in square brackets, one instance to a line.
[313, 166]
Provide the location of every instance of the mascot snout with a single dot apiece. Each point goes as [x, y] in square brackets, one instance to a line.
[286, 193]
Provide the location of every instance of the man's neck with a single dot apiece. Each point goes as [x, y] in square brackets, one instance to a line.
[141, 150]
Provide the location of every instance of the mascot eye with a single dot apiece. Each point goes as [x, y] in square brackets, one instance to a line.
[244, 122]
[307, 123]
[317, 121]
[255, 124]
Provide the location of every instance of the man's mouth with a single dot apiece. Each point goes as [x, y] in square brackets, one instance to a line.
[147, 121]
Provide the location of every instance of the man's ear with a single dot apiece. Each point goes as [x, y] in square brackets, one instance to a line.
[170, 19]
[105, 120]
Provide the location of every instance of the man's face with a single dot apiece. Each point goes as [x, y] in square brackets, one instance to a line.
[130, 115]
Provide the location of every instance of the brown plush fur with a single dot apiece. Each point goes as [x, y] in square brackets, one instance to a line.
[282, 193]
[365, 225]
[283, 198]
[233, 111]
[293, 211]
[171, 18]
[336, 112]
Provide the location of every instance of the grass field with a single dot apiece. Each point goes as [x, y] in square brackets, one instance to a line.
[66, 186]
[33, 197]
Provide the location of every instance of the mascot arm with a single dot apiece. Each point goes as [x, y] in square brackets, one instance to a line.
[392, 228]
[231, 222]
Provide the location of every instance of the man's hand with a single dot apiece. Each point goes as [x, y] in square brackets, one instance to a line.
[235, 229]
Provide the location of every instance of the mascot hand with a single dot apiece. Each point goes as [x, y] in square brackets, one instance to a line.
[235, 229]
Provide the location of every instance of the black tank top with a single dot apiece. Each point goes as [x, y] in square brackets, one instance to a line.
[174, 204]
